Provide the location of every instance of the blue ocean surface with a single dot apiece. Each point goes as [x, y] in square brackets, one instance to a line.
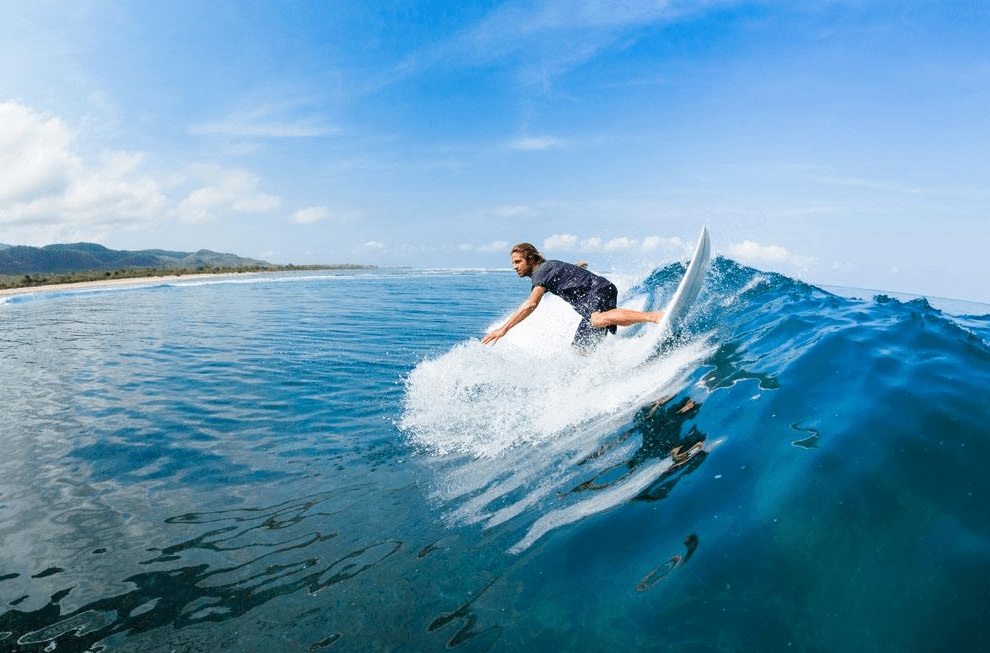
[332, 461]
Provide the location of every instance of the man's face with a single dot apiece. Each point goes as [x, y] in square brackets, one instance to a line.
[522, 266]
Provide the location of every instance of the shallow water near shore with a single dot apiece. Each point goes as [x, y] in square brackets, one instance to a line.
[332, 461]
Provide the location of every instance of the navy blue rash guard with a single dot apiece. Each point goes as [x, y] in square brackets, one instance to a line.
[585, 291]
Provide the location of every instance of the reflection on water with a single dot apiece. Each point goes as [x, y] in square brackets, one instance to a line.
[809, 442]
[675, 561]
[468, 624]
[666, 454]
[727, 364]
[242, 559]
[660, 427]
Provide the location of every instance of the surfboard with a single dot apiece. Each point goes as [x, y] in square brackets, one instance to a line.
[688, 290]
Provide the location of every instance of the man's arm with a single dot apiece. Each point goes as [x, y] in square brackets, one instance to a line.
[527, 307]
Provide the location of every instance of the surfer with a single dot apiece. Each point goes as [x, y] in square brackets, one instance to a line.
[592, 296]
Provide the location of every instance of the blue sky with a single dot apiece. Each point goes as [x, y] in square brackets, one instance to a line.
[842, 142]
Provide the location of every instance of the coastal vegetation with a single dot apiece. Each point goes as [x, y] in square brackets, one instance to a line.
[45, 279]
[22, 267]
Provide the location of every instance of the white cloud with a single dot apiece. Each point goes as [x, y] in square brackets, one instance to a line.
[750, 252]
[314, 214]
[34, 155]
[593, 244]
[311, 215]
[534, 143]
[48, 191]
[755, 254]
[656, 243]
[571, 243]
[621, 245]
[561, 242]
[496, 247]
[374, 245]
[225, 190]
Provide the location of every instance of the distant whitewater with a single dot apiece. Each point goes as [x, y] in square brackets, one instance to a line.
[316, 461]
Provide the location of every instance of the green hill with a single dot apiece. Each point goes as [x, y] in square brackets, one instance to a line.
[89, 257]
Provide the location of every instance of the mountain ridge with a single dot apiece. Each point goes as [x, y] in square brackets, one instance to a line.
[90, 257]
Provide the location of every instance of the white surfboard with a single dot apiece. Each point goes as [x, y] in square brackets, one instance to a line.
[688, 290]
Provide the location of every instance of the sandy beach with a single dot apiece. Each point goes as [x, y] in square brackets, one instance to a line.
[131, 281]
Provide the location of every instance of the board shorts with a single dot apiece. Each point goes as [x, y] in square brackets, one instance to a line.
[587, 337]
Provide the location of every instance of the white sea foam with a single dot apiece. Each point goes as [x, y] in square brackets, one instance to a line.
[506, 426]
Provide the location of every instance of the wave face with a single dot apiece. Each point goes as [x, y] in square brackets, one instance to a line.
[832, 448]
[333, 461]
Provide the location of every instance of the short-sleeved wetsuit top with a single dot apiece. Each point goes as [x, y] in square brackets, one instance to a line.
[585, 291]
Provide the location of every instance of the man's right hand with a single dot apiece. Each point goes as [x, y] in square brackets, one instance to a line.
[494, 336]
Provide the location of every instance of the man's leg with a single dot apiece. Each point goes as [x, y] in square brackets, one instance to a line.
[623, 317]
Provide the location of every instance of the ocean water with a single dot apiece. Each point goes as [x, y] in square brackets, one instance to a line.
[332, 461]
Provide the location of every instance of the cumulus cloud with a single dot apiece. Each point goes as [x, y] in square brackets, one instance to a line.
[34, 156]
[48, 190]
[224, 190]
[496, 247]
[593, 244]
[621, 245]
[311, 215]
[753, 253]
[561, 242]
[748, 251]
[571, 243]
[656, 243]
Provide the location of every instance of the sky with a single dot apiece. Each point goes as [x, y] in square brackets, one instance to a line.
[842, 142]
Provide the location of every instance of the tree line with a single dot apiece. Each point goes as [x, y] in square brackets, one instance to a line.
[47, 279]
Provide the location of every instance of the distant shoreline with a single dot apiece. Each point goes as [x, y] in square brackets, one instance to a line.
[128, 281]
[158, 275]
